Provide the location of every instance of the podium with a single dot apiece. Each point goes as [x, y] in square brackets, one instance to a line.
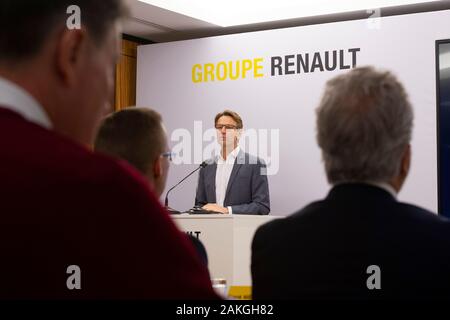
[227, 239]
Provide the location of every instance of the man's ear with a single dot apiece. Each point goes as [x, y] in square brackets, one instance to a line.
[69, 53]
[406, 162]
[239, 134]
[157, 168]
[399, 179]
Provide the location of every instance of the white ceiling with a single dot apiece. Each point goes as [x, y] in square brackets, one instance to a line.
[160, 25]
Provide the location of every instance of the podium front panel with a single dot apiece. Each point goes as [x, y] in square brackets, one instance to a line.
[227, 239]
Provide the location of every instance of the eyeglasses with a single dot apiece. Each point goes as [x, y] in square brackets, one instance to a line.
[227, 126]
[169, 155]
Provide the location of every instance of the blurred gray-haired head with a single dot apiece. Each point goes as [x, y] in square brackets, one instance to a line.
[364, 124]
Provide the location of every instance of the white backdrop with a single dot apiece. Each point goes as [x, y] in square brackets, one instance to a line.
[404, 44]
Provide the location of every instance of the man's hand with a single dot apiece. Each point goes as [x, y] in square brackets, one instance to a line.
[215, 207]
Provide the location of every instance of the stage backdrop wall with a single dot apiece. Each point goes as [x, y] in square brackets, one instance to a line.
[285, 73]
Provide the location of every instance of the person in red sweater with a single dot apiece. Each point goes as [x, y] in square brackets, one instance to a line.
[74, 224]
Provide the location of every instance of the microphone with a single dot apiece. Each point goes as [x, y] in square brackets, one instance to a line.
[166, 200]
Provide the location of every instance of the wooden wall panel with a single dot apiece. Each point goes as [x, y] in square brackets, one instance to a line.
[125, 94]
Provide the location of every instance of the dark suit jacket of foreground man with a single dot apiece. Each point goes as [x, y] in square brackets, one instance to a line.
[324, 250]
[62, 205]
[247, 190]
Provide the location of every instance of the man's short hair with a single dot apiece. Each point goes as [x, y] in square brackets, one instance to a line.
[236, 117]
[135, 135]
[25, 24]
[364, 124]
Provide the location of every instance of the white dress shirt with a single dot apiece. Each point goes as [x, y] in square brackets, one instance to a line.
[14, 98]
[223, 173]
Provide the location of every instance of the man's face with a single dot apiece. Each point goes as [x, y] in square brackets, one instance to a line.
[227, 132]
[96, 85]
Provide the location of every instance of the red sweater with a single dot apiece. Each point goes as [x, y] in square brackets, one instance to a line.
[62, 205]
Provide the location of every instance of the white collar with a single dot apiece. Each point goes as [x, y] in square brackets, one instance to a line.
[231, 157]
[383, 185]
[15, 98]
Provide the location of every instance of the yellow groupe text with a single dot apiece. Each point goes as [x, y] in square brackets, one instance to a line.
[230, 70]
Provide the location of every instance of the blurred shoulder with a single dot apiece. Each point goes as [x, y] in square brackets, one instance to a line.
[289, 225]
[421, 215]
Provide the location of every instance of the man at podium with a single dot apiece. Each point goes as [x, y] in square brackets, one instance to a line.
[234, 182]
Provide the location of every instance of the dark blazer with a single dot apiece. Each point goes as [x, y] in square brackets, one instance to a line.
[324, 250]
[62, 205]
[247, 190]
